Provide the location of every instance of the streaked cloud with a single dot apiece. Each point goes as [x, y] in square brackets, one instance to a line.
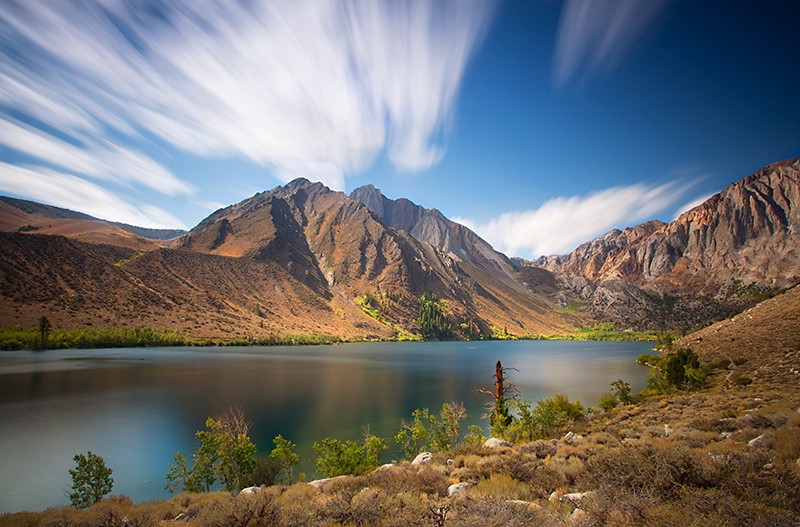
[313, 88]
[594, 36]
[102, 159]
[74, 193]
[561, 224]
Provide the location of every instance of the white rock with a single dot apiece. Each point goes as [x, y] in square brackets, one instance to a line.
[458, 488]
[574, 497]
[668, 430]
[249, 491]
[493, 442]
[423, 457]
[756, 441]
[319, 483]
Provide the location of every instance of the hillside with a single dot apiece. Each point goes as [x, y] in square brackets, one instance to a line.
[17, 215]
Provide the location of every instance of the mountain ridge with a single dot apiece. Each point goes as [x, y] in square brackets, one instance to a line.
[298, 257]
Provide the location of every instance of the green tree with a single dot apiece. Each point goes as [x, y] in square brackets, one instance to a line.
[284, 453]
[44, 330]
[452, 415]
[426, 431]
[337, 458]
[414, 435]
[225, 452]
[622, 391]
[91, 480]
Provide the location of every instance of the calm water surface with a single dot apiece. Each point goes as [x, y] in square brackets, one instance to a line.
[137, 407]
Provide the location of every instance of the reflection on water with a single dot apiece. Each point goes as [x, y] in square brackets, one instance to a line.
[136, 407]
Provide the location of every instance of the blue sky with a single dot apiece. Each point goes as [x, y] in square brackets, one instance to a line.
[540, 124]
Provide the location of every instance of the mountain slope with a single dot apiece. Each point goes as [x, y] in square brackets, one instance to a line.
[432, 227]
[749, 233]
[342, 250]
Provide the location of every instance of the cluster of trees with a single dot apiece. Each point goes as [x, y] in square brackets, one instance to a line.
[676, 371]
[432, 321]
[225, 453]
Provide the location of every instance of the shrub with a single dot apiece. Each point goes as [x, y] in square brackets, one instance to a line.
[502, 486]
[337, 458]
[552, 416]
[608, 402]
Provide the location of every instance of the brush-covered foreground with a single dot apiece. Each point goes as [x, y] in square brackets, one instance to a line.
[727, 455]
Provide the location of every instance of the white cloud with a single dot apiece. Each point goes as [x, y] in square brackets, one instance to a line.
[595, 35]
[103, 159]
[561, 224]
[68, 191]
[313, 88]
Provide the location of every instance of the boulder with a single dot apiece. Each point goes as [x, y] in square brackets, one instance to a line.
[319, 483]
[756, 441]
[422, 458]
[249, 491]
[493, 442]
[571, 438]
[458, 488]
[668, 430]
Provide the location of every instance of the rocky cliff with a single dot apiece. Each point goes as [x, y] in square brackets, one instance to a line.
[735, 249]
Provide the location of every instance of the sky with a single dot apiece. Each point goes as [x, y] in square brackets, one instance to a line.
[537, 123]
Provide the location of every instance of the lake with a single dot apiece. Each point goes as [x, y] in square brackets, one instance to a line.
[136, 407]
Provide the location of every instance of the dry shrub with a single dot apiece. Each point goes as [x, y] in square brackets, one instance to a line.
[425, 479]
[571, 469]
[502, 486]
[715, 425]
[541, 448]
[787, 445]
[466, 461]
[522, 468]
[653, 471]
[256, 510]
[490, 512]
[713, 507]
[545, 481]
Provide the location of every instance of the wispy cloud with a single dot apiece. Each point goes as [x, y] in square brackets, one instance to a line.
[74, 193]
[313, 88]
[594, 36]
[561, 224]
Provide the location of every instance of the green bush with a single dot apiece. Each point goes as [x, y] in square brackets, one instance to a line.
[338, 458]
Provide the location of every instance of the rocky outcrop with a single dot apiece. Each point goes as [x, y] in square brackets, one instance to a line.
[747, 234]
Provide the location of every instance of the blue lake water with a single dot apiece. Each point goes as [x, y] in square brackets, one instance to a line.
[136, 407]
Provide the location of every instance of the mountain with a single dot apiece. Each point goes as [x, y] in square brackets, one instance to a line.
[432, 227]
[720, 255]
[301, 258]
[291, 260]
